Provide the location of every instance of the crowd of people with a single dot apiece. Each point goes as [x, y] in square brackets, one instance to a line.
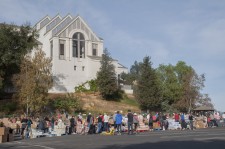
[117, 123]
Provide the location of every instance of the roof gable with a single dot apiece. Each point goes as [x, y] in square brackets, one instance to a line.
[39, 24]
[78, 23]
[65, 21]
[53, 23]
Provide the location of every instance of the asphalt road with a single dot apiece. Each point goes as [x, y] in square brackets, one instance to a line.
[213, 138]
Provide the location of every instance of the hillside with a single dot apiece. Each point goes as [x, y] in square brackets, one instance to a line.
[91, 103]
[94, 103]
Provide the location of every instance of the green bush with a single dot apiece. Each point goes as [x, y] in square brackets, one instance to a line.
[81, 88]
[8, 107]
[68, 103]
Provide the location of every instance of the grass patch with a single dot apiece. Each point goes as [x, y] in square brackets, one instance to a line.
[130, 101]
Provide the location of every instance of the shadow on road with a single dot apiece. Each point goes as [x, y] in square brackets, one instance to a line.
[206, 144]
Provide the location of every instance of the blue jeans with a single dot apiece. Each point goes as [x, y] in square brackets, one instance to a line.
[130, 127]
[118, 128]
[191, 124]
[106, 128]
[27, 135]
[99, 127]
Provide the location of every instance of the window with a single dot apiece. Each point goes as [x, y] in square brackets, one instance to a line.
[78, 45]
[61, 49]
[51, 49]
[94, 49]
[82, 68]
[75, 67]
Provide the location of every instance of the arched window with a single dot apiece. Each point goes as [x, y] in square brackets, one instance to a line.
[78, 45]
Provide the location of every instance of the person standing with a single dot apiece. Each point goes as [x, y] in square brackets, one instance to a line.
[80, 118]
[136, 121]
[28, 128]
[106, 122]
[191, 121]
[72, 125]
[130, 122]
[89, 120]
[99, 123]
[150, 122]
[119, 122]
[182, 121]
[176, 117]
[24, 125]
[114, 119]
[52, 123]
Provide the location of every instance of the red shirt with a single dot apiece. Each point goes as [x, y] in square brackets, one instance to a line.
[176, 117]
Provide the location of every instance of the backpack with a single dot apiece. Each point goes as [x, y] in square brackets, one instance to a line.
[154, 118]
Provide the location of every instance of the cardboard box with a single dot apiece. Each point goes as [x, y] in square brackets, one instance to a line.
[13, 126]
[156, 125]
[4, 131]
[34, 125]
[10, 137]
[5, 121]
[3, 138]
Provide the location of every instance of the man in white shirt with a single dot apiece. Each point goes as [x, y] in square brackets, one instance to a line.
[106, 122]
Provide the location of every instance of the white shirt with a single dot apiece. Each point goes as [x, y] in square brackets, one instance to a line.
[106, 118]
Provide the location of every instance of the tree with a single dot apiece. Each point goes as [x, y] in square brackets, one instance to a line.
[130, 77]
[204, 100]
[34, 81]
[15, 43]
[181, 85]
[191, 84]
[106, 78]
[147, 89]
[171, 87]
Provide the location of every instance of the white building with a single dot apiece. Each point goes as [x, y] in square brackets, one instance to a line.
[75, 51]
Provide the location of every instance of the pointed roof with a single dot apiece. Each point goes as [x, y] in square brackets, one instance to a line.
[121, 66]
[43, 19]
[81, 19]
[53, 19]
[60, 26]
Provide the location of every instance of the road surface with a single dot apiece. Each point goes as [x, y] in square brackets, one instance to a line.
[212, 138]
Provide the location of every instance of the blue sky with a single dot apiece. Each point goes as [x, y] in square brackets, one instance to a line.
[166, 30]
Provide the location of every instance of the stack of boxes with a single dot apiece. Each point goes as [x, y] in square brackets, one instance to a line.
[6, 135]
[156, 125]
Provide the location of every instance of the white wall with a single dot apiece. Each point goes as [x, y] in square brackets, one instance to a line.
[65, 77]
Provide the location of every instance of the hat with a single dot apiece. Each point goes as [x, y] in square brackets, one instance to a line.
[89, 113]
[135, 113]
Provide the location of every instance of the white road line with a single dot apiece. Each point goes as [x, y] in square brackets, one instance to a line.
[45, 147]
[191, 135]
[34, 145]
[211, 138]
[182, 134]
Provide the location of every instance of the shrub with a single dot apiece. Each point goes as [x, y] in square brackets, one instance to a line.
[8, 107]
[87, 86]
[68, 102]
